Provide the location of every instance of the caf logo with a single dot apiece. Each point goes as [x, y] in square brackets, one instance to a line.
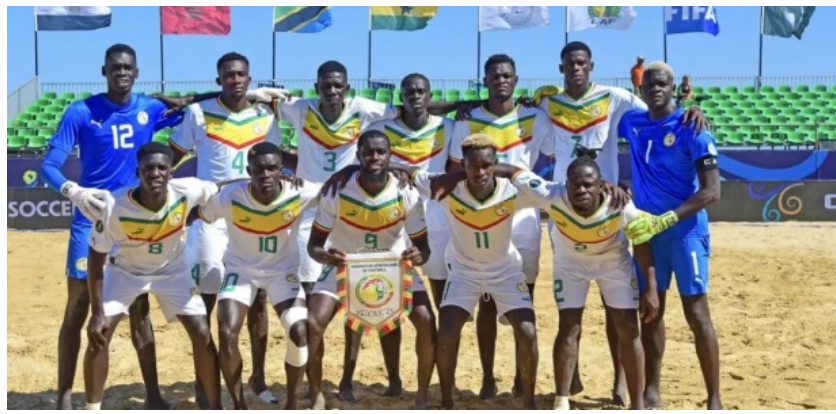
[670, 139]
[142, 117]
[175, 219]
[288, 215]
[501, 210]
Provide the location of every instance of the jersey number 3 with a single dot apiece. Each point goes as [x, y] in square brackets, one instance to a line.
[122, 136]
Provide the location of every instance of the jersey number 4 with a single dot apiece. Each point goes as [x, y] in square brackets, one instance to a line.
[122, 136]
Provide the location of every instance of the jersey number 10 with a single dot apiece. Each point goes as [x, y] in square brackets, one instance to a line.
[121, 135]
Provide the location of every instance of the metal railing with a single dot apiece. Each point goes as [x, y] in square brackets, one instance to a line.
[461, 84]
[21, 98]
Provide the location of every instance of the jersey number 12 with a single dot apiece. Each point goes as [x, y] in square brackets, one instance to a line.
[121, 135]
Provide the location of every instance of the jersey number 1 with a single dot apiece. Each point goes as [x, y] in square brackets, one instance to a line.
[121, 134]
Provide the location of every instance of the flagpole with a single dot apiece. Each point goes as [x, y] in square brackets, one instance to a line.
[478, 44]
[566, 35]
[369, 63]
[274, 56]
[162, 54]
[36, 41]
[760, 51]
[664, 36]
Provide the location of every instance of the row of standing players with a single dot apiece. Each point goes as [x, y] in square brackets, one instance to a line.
[520, 134]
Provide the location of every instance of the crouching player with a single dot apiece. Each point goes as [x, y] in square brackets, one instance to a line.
[261, 215]
[142, 229]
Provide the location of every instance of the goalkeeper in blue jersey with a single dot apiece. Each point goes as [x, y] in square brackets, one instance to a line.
[108, 129]
[675, 176]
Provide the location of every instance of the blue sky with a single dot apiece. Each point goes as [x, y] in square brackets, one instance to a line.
[446, 49]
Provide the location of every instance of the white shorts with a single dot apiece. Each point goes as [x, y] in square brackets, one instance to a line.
[176, 294]
[530, 263]
[509, 292]
[618, 284]
[205, 247]
[309, 269]
[242, 285]
[327, 283]
[436, 268]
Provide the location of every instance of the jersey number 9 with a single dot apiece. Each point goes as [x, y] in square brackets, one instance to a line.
[121, 136]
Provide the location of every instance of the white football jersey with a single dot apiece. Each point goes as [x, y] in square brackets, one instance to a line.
[144, 242]
[259, 233]
[327, 148]
[220, 137]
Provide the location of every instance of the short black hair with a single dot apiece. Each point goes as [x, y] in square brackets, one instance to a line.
[331, 66]
[152, 148]
[371, 134]
[232, 57]
[264, 148]
[584, 159]
[498, 59]
[412, 76]
[575, 47]
[120, 48]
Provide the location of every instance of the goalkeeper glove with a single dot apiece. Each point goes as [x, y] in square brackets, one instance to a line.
[642, 229]
[90, 201]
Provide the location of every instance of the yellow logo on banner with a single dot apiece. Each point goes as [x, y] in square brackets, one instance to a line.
[375, 291]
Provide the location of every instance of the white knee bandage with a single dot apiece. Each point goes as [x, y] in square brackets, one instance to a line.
[296, 356]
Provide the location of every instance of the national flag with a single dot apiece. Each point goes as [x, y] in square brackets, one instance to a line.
[401, 17]
[72, 17]
[208, 20]
[786, 21]
[690, 19]
[605, 17]
[512, 17]
[301, 19]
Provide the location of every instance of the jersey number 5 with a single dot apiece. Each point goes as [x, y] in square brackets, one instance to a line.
[121, 135]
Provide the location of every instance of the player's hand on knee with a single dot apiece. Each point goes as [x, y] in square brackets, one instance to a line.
[268, 95]
[649, 306]
[413, 255]
[90, 201]
[97, 331]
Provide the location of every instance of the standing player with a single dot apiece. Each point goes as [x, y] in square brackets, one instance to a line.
[520, 134]
[141, 229]
[261, 215]
[220, 131]
[108, 128]
[422, 140]
[586, 115]
[591, 246]
[482, 261]
[675, 176]
[370, 212]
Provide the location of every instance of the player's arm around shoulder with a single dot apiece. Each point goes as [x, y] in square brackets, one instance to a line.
[535, 191]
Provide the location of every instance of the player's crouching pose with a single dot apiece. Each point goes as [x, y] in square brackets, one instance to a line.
[142, 229]
[262, 220]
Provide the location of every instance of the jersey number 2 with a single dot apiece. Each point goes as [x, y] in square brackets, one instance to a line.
[121, 135]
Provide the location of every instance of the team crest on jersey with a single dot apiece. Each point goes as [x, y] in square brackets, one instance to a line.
[175, 219]
[349, 132]
[81, 264]
[434, 143]
[634, 283]
[394, 213]
[604, 231]
[521, 286]
[670, 139]
[292, 278]
[712, 149]
[287, 215]
[580, 247]
[501, 210]
[595, 110]
[521, 131]
[142, 117]
[258, 129]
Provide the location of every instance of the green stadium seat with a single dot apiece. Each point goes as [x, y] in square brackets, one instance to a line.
[766, 89]
[713, 90]
[741, 99]
[26, 116]
[15, 143]
[351, 93]
[298, 92]
[452, 95]
[49, 95]
[809, 96]
[790, 111]
[779, 119]
[819, 104]
[311, 94]
[798, 120]
[727, 104]
[37, 142]
[367, 93]
[385, 99]
[69, 96]
[810, 113]
[689, 103]
[42, 102]
[771, 111]
[483, 94]
[792, 96]
[436, 95]
[10, 131]
[714, 112]
[781, 104]
[188, 93]
[383, 95]
[521, 92]
[44, 132]
[84, 95]
[735, 138]
[698, 90]
[44, 118]
[730, 90]
[396, 98]
[783, 89]
[751, 112]
[54, 109]
[741, 120]
[820, 89]
[829, 96]
[472, 95]
[802, 88]
[827, 132]
[721, 97]
[749, 90]
[173, 94]
[798, 138]
[760, 119]
[724, 120]
[18, 123]
[733, 111]
[763, 105]
[33, 109]
[709, 104]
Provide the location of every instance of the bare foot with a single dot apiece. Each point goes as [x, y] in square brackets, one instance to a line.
[516, 390]
[318, 402]
[259, 388]
[619, 396]
[156, 404]
[714, 403]
[395, 390]
[652, 398]
[421, 404]
[65, 402]
[576, 387]
[200, 398]
[489, 390]
[446, 404]
[346, 393]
